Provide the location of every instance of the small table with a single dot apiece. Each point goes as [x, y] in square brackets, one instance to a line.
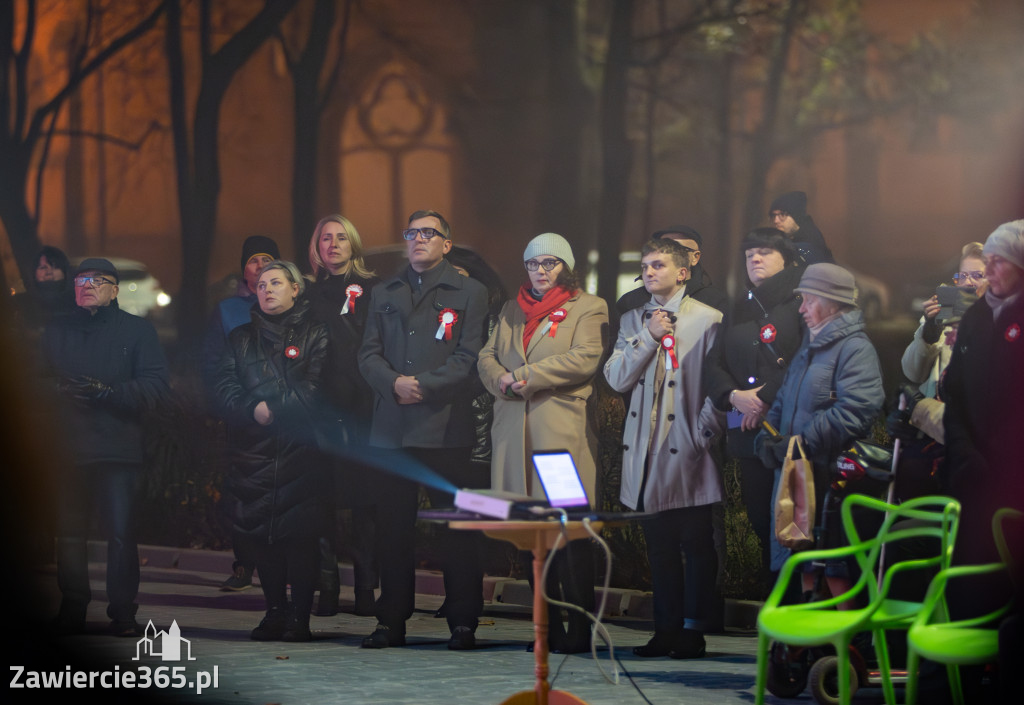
[538, 536]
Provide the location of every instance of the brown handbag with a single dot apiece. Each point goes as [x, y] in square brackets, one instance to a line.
[794, 506]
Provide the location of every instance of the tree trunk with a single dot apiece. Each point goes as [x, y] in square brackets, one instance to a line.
[199, 168]
[559, 207]
[615, 149]
[763, 151]
[306, 126]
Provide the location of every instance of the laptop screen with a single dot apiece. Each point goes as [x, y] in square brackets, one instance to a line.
[561, 481]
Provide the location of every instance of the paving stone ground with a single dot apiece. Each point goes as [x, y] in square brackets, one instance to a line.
[334, 669]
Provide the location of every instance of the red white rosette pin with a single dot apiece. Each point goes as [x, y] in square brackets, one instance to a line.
[1013, 333]
[556, 317]
[291, 352]
[447, 319]
[352, 292]
[671, 361]
[768, 333]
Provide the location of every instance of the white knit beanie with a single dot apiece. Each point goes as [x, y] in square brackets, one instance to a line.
[1007, 241]
[550, 244]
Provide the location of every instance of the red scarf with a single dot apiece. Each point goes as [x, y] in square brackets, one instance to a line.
[536, 311]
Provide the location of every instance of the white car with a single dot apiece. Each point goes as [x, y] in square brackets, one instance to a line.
[139, 292]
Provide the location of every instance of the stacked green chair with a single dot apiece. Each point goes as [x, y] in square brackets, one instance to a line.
[819, 623]
[958, 643]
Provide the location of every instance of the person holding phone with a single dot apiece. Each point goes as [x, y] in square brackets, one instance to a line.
[925, 359]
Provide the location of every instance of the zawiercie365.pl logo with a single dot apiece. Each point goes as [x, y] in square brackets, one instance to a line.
[164, 645]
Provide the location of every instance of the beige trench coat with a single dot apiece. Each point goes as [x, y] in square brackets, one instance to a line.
[677, 433]
[551, 412]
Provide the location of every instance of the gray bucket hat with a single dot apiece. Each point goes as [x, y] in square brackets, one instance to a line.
[829, 281]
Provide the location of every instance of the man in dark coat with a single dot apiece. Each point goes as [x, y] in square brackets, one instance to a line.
[789, 214]
[424, 332]
[698, 284]
[110, 368]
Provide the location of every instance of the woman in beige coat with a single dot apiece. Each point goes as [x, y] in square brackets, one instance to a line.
[539, 364]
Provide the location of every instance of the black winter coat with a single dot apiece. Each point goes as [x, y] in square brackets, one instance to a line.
[348, 393]
[983, 387]
[122, 351]
[401, 339]
[742, 357]
[809, 242]
[278, 479]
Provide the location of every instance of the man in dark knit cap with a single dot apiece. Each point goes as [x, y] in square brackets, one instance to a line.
[257, 252]
[789, 214]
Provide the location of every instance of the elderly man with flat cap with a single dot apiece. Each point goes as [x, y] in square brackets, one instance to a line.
[110, 370]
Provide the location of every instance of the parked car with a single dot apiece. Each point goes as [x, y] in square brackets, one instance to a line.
[139, 292]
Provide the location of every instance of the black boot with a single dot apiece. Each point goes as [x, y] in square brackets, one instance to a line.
[296, 626]
[272, 627]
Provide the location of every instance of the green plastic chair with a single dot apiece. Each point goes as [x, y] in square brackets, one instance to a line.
[966, 642]
[819, 623]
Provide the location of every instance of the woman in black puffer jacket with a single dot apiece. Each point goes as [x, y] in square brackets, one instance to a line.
[268, 385]
[744, 370]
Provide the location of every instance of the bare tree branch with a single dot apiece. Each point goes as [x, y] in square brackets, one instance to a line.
[76, 79]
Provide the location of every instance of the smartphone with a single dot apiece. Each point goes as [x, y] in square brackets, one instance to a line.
[953, 301]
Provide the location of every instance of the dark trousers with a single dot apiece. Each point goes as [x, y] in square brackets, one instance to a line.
[670, 535]
[756, 482]
[351, 478]
[570, 579]
[395, 538]
[295, 562]
[109, 491]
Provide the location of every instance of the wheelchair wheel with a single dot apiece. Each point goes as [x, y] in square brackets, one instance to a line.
[824, 681]
[787, 670]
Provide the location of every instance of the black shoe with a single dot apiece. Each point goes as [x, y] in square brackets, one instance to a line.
[326, 604]
[659, 645]
[297, 632]
[366, 604]
[125, 627]
[690, 644]
[383, 637]
[272, 627]
[240, 579]
[463, 639]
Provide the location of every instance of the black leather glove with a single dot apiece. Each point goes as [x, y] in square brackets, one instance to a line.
[897, 425]
[931, 331]
[912, 394]
[84, 388]
[773, 450]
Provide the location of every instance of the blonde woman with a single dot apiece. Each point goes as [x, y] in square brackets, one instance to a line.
[339, 297]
